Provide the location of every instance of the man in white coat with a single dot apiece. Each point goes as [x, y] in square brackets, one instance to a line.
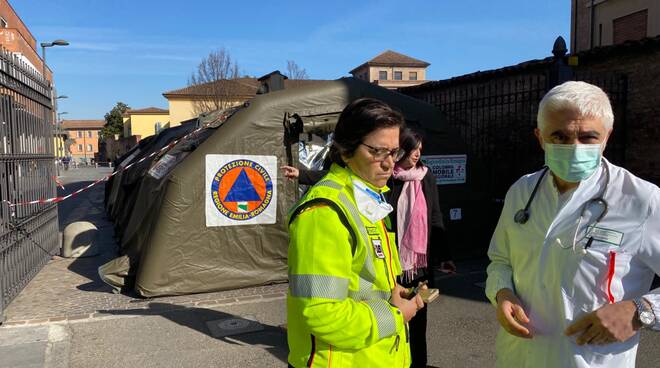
[576, 248]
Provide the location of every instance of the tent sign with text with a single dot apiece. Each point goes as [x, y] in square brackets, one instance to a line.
[447, 169]
[240, 190]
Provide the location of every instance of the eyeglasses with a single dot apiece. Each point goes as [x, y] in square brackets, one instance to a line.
[381, 154]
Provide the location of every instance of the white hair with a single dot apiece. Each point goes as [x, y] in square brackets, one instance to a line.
[587, 99]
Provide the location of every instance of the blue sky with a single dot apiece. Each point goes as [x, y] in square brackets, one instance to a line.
[133, 51]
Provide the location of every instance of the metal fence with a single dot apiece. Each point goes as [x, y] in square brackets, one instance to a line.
[494, 112]
[496, 116]
[28, 234]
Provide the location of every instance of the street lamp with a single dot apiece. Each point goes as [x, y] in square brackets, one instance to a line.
[49, 85]
[58, 125]
[43, 52]
[58, 134]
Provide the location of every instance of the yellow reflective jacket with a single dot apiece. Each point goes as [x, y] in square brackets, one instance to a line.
[342, 269]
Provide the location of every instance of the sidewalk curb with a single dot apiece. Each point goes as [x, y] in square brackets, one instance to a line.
[99, 316]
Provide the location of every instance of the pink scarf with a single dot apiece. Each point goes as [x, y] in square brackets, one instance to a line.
[412, 224]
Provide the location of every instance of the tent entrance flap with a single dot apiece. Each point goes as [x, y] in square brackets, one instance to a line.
[315, 146]
[320, 125]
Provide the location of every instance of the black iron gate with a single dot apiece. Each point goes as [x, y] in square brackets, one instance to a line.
[28, 233]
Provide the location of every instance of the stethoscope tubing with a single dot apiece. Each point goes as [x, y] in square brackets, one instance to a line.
[523, 215]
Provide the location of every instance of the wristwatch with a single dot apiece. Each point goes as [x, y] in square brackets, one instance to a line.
[645, 314]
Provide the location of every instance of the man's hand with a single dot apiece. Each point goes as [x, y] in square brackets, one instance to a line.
[408, 307]
[610, 323]
[511, 314]
[290, 172]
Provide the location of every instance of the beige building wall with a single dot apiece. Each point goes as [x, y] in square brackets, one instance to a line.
[375, 70]
[127, 126]
[182, 109]
[605, 12]
[144, 125]
[371, 74]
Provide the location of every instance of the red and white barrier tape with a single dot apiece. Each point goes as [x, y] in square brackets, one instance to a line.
[105, 178]
[58, 182]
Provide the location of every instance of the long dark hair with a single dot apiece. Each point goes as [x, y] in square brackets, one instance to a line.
[359, 119]
[408, 141]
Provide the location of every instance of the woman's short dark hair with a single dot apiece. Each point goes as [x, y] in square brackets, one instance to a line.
[359, 119]
[408, 141]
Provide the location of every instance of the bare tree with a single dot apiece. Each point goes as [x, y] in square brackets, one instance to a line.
[211, 80]
[294, 71]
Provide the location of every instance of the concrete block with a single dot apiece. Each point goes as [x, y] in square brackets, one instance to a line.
[80, 239]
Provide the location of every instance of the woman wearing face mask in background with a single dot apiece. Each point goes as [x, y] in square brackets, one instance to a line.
[417, 221]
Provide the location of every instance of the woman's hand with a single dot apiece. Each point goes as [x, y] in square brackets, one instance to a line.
[290, 172]
[407, 307]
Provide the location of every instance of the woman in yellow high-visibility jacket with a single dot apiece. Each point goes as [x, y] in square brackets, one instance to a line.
[344, 306]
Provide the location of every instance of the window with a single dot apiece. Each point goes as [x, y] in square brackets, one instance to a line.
[3, 23]
[382, 75]
[90, 148]
[412, 75]
[89, 134]
[398, 75]
[79, 134]
[630, 27]
[80, 148]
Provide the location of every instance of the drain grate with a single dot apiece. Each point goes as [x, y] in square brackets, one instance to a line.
[233, 326]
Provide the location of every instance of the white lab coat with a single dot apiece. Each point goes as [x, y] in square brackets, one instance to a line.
[557, 286]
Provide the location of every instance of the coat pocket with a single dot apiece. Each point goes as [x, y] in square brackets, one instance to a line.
[607, 267]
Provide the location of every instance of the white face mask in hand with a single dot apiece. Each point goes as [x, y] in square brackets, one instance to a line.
[370, 203]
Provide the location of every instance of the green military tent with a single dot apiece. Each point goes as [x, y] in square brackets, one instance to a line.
[211, 212]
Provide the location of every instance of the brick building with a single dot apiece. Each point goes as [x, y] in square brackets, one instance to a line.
[597, 23]
[16, 38]
[84, 138]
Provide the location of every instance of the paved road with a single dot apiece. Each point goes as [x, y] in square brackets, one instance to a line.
[66, 317]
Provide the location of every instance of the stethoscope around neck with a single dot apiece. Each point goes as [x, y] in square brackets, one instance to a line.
[522, 216]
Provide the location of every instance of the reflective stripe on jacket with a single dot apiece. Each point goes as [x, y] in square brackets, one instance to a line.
[337, 305]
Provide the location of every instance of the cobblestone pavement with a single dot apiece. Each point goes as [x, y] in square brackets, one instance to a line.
[70, 289]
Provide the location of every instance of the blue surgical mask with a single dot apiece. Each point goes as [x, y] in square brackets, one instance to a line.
[573, 162]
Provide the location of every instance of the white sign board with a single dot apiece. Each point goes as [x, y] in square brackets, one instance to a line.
[240, 190]
[447, 169]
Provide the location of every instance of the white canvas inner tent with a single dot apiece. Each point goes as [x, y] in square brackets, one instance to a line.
[209, 213]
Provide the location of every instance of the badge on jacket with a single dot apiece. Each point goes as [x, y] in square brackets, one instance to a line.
[378, 247]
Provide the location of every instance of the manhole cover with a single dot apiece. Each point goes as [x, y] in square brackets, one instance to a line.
[233, 326]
